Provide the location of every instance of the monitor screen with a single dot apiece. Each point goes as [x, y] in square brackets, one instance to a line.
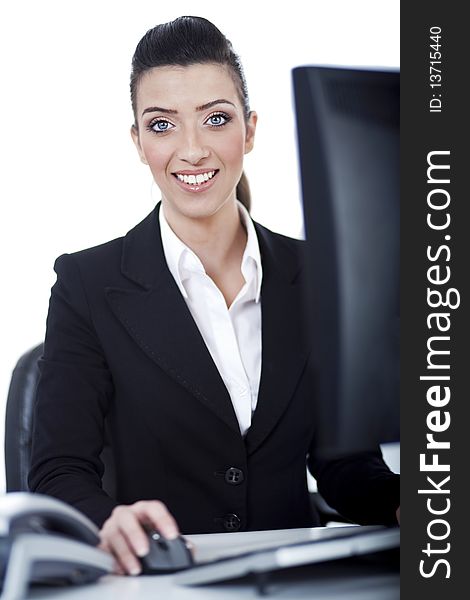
[348, 141]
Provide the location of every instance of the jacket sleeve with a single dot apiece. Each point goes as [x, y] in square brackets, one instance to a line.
[74, 391]
[360, 487]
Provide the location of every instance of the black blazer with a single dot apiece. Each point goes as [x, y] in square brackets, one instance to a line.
[122, 348]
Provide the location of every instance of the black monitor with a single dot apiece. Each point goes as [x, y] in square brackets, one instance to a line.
[348, 140]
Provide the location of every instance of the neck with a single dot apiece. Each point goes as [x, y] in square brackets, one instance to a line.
[218, 240]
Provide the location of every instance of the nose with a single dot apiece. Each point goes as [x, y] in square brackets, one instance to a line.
[192, 149]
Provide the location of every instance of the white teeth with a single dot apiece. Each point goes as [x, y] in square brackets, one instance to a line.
[193, 179]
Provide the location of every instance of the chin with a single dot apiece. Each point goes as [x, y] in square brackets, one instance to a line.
[198, 207]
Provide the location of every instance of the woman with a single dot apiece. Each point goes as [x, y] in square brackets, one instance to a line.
[184, 338]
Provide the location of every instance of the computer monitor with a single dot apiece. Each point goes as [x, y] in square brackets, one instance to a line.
[348, 141]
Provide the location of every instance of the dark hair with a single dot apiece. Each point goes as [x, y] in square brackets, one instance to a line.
[188, 41]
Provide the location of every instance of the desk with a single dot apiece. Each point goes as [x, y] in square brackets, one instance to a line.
[327, 581]
[372, 577]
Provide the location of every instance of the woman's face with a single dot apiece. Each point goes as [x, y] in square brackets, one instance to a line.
[193, 135]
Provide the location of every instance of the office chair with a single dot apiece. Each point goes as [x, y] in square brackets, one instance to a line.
[18, 419]
[19, 426]
[18, 435]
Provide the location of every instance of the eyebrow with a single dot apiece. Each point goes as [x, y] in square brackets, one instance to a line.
[172, 111]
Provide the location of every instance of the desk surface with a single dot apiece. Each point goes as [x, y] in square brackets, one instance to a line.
[373, 577]
[332, 581]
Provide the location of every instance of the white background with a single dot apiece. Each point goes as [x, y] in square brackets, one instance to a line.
[70, 176]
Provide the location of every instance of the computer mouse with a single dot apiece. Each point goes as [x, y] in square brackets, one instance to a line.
[166, 556]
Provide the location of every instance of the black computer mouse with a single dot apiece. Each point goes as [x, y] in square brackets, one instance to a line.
[166, 556]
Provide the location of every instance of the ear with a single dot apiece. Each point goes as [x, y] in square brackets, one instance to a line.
[250, 131]
[136, 139]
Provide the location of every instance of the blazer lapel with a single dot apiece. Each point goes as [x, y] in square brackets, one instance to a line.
[156, 316]
[284, 351]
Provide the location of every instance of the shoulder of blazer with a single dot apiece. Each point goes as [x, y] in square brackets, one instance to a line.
[284, 253]
[137, 256]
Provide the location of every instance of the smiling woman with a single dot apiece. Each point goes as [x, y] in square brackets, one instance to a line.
[185, 341]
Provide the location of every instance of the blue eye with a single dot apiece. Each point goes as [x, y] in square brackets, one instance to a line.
[160, 126]
[218, 119]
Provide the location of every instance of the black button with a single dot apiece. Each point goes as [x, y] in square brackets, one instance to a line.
[232, 522]
[234, 476]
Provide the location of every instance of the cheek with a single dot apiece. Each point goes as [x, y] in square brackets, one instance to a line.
[157, 158]
[232, 149]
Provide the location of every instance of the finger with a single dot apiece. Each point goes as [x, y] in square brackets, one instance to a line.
[117, 569]
[128, 524]
[123, 554]
[157, 514]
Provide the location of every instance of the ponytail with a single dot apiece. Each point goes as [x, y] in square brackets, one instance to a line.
[243, 192]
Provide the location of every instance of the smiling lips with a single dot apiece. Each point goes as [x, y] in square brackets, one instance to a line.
[195, 180]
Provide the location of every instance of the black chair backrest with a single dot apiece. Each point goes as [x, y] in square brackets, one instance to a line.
[19, 426]
[19, 419]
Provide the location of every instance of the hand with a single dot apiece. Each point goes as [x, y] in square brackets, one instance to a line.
[123, 534]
